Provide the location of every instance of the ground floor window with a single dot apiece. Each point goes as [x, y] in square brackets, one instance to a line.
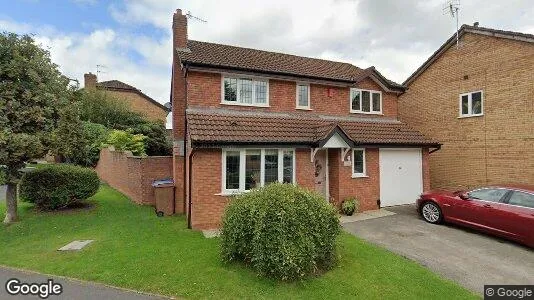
[245, 169]
[358, 163]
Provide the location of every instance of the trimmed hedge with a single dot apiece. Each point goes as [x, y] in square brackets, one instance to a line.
[58, 186]
[282, 231]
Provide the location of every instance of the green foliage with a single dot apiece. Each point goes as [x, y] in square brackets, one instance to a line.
[102, 108]
[349, 206]
[127, 141]
[2, 175]
[282, 230]
[32, 92]
[157, 139]
[58, 186]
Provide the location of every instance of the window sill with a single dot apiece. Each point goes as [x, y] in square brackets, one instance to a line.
[366, 113]
[245, 104]
[359, 176]
[470, 116]
[303, 108]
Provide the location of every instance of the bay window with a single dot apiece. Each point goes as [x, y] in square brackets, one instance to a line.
[245, 91]
[246, 169]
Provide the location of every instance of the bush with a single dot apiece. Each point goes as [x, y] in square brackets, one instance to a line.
[281, 230]
[158, 142]
[58, 186]
[94, 136]
[127, 141]
[3, 176]
[349, 206]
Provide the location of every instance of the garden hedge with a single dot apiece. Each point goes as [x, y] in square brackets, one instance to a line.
[282, 231]
[58, 186]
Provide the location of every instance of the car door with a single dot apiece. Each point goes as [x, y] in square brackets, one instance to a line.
[480, 208]
[516, 216]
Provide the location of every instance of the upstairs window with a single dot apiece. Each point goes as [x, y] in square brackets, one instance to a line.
[245, 91]
[471, 104]
[365, 101]
[303, 96]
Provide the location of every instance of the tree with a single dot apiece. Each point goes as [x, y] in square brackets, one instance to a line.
[32, 93]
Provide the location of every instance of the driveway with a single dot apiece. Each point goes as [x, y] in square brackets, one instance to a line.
[72, 289]
[467, 257]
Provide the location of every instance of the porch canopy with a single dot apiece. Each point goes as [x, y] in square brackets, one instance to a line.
[217, 128]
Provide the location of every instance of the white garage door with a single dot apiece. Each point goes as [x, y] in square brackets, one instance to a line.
[401, 176]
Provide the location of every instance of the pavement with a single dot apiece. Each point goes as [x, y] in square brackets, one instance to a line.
[3, 192]
[72, 289]
[465, 256]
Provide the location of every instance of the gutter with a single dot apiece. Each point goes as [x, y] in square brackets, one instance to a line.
[438, 147]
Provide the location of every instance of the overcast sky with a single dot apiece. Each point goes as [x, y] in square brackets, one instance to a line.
[133, 38]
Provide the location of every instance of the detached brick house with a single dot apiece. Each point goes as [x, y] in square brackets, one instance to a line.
[134, 99]
[478, 100]
[243, 118]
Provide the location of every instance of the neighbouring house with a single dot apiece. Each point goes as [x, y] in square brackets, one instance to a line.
[478, 100]
[243, 118]
[134, 98]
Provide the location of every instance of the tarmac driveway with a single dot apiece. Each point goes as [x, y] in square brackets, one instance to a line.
[472, 259]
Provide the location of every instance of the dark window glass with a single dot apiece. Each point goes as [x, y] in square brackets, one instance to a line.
[465, 105]
[252, 169]
[271, 166]
[493, 195]
[261, 91]
[366, 101]
[230, 89]
[288, 166]
[476, 102]
[232, 170]
[303, 95]
[522, 199]
[358, 161]
[245, 91]
[376, 101]
[356, 104]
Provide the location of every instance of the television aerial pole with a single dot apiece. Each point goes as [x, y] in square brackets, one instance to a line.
[452, 8]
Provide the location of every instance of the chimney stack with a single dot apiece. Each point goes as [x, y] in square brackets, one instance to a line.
[90, 80]
[475, 24]
[179, 31]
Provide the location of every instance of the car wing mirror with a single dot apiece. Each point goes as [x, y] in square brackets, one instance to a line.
[464, 196]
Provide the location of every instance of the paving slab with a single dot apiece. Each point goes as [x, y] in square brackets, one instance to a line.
[211, 233]
[75, 245]
[366, 215]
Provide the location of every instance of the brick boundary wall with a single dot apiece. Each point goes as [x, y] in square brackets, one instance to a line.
[133, 175]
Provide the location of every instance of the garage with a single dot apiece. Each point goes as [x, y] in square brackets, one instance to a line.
[401, 175]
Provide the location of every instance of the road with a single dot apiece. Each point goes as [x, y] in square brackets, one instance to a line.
[72, 289]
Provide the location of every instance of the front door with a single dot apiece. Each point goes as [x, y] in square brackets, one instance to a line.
[321, 173]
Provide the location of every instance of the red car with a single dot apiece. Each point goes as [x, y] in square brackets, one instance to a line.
[504, 210]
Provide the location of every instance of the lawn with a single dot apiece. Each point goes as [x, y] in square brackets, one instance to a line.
[137, 250]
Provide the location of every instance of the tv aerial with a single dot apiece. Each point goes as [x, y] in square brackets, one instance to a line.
[452, 8]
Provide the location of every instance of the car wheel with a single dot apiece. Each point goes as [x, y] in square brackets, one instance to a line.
[431, 213]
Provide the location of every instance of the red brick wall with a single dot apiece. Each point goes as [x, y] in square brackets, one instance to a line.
[342, 185]
[204, 90]
[133, 175]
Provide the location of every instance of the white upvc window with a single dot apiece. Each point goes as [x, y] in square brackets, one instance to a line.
[246, 169]
[244, 90]
[365, 101]
[303, 96]
[358, 163]
[472, 104]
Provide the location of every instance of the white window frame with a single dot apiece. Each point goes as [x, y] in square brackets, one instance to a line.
[360, 111]
[470, 104]
[364, 173]
[308, 107]
[242, 168]
[253, 78]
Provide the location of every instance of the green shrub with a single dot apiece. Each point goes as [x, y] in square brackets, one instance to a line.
[127, 141]
[158, 142]
[349, 206]
[58, 186]
[3, 176]
[281, 230]
[94, 136]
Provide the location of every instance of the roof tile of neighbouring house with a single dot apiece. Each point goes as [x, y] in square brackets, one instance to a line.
[121, 86]
[227, 127]
[225, 56]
